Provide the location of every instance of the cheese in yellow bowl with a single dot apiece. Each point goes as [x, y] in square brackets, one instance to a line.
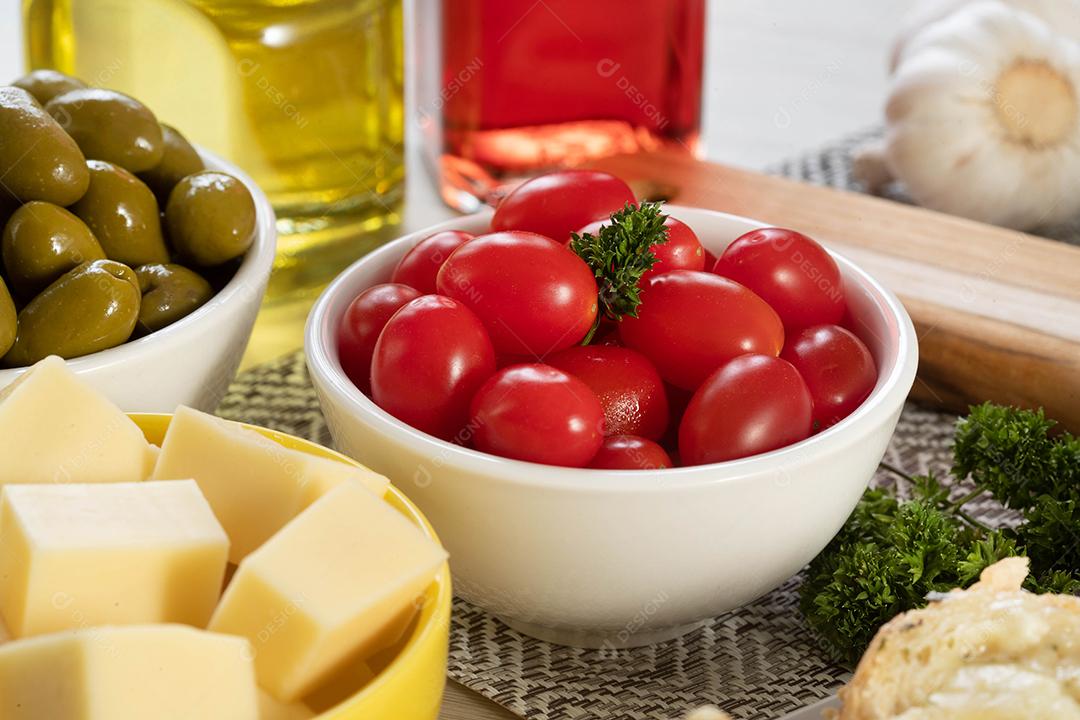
[178, 566]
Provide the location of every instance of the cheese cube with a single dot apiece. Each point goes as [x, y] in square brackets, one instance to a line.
[350, 678]
[272, 709]
[73, 556]
[254, 484]
[55, 428]
[327, 589]
[164, 672]
[339, 687]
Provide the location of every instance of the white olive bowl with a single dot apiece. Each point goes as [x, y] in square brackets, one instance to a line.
[604, 558]
[192, 361]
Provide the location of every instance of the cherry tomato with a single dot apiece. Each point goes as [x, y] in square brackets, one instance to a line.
[791, 272]
[421, 264]
[532, 294]
[558, 203]
[630, 452]
[689, 323]
[537, 413]
[606, 336]
[360, 327]
[837, 367]
[429, 361]
[628, 386]
[502, 361]
[592, 228]
[750, 405]
[678, 400]
[682, 251]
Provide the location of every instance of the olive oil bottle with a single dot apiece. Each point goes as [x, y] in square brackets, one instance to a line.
[304, 95]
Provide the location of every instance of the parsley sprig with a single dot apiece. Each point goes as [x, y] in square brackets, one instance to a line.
[619, 254]
[891, 553]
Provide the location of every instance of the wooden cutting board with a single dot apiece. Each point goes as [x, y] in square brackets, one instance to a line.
[997, 311]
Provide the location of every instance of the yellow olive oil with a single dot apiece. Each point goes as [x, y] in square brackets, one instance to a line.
[304, 95]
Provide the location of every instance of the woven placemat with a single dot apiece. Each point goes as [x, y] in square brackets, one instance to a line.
[758, 662]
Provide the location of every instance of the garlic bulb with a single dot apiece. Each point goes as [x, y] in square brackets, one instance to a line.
[983, 119]
[1061, 15]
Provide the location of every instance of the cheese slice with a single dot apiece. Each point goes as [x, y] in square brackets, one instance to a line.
[54, 428]
[254, 484]
[272, 709]
[327, 589]
[74, 556]
[164, 672]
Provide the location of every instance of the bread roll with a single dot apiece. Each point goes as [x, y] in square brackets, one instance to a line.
[992, 652]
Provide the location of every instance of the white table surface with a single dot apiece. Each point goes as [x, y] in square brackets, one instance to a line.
[782, 76]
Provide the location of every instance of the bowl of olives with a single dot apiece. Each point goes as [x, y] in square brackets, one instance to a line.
[124, 249]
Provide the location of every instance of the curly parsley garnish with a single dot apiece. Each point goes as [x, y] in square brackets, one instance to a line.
[892, 553]
[619, 254]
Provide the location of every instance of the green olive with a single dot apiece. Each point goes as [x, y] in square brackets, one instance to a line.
[43, 241]
[8, 319]
[123, 215]
[38, 160]
[8, 206]
[90, 308]
[179, 161]
[44, 85]
[169, 292]
[110, 126]
[210, 217]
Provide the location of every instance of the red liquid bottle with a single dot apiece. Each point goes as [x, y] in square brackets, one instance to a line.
[526, 86]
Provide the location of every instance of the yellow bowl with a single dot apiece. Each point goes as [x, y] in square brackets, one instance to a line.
[411, 684]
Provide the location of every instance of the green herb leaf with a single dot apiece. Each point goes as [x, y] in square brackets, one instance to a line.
[1010, 452]
[1051, 534]
[923, 542]
[870, 520]
[886, 559]
[848, 594]
[983, 553]
[929, 488]
[891, 553]
[1059, 581]
[619, 254]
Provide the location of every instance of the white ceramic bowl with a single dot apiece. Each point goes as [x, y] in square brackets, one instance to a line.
[192, 361]
[621, 558]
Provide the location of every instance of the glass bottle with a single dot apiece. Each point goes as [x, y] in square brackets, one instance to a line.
[304, 95]
[512, 88]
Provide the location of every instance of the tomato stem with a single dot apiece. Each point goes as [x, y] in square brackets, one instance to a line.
[592, 331]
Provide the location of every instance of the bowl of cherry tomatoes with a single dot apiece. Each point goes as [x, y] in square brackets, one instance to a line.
[623, 417]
